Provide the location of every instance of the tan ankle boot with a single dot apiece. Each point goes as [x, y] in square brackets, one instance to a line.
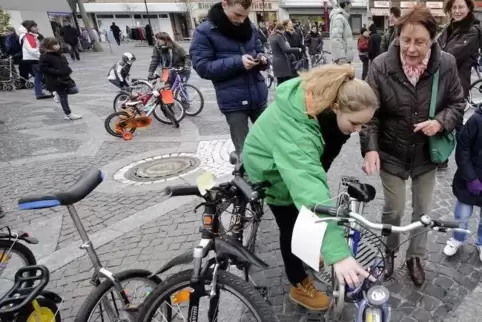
[306, 295]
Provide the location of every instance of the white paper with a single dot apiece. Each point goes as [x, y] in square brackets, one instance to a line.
[205, 182]
[308, 237]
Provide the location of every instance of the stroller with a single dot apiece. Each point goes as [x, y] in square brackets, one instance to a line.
[9, 77]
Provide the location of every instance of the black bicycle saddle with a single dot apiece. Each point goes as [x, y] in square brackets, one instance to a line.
[362, 192]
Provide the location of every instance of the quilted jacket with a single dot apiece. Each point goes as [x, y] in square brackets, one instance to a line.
[341, 36]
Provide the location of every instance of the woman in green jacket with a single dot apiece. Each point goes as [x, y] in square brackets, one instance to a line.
[292, 146]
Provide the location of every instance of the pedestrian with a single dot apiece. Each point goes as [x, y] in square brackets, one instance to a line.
[341, 36]
[281, 51]
[391, 33]
[395, 142]
[169, 54]
[119, 73]
[149, 35]
[363, 50]
[292, 146]
[226, 50]
[374, 42]
[314, 43]
[461, 38]
[263, 34]
[71, 35]
[293, 37]
[467, 183]
[30, 56]
[57, 73]
[116, 32]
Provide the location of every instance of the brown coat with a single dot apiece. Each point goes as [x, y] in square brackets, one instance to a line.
[404, 153]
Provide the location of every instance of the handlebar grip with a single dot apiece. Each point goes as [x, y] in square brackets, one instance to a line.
[445, 224]
[182, 191]
[245, 188]
[325, 210]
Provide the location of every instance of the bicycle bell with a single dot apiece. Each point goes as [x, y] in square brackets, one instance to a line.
[378, 295]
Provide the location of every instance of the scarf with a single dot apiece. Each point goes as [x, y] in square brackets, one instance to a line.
[414, 72]
[241, 33]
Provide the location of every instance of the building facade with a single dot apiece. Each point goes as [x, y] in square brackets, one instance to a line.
[48, 14]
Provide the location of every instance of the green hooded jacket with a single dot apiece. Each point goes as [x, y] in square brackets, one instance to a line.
[284, 147]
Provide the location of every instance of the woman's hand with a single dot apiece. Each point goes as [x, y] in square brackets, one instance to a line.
[429, 128]
[350, 271]
[371, 164]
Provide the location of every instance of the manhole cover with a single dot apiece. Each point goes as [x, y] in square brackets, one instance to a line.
[158, 169]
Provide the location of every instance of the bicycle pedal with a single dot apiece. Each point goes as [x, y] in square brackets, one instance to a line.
[315, 317]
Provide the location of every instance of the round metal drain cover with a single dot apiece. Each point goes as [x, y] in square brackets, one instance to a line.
[162, 169]
[158, 169]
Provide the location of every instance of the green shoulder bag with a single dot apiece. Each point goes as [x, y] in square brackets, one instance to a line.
[441, 144]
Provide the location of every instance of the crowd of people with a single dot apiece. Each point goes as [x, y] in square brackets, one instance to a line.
[412, 93]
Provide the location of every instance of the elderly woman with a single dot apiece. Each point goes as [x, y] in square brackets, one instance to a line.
[281, 49]
[461, 39]
[396, 141]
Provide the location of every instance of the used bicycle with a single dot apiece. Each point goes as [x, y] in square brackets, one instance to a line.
[370, 297]
[111, 294]
[209, 287]
[190, 96]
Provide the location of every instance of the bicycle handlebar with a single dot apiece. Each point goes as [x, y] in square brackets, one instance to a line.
[178, 191]
[340, 214]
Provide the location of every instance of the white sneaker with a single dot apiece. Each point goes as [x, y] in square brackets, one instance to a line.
[73, 117]
[56, 98]
[452, 246]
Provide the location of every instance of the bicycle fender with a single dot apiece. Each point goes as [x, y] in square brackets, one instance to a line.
[185, 258]
[54, 297]
[231, 249]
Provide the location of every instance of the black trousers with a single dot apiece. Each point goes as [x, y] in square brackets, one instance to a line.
[285, 218]
[365, 62]
[238, 126]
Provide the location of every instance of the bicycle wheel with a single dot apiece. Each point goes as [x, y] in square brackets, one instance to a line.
[475, 94]
[119, 100]
[177, 110]
[176, 290]
[9, 263]
[46, 312]
[120, 126]
[192, 105]
[92, 305]
[142, 86]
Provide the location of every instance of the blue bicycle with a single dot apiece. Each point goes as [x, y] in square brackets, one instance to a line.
[370, 297]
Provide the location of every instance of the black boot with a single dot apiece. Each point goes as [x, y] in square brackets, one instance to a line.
[416, 271]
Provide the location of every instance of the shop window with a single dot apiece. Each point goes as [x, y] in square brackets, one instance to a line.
[163, 16]
[137, 16]
[123, 16]
[105, 16]
[149, 16]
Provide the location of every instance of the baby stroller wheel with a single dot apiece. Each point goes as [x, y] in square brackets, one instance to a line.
[28, 84]
[18, 83]
[9, 87]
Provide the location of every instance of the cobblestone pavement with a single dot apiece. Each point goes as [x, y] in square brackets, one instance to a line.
[40, 151]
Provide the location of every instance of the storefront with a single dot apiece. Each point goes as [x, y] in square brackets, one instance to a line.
[57, 20]
[261, 10]
[380, 11]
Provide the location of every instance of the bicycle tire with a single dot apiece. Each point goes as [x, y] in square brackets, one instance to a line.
[117, 98]
[144, 82]
[242, 289]
[159, 114]
[103, 288]
[47, 309]
[20, 249]
[191, 112]
[109, 119]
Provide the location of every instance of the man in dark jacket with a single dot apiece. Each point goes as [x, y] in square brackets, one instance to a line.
[373, 42]
[294, 38]
[116, 32]
[226, 50]
[71, 38]
[391, 33]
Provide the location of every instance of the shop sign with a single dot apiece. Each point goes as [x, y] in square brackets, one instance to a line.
[408, 4]
[205, 5]
[434, 5]
[58, 14]
[268, 6]
[381, 4]
[380, 12]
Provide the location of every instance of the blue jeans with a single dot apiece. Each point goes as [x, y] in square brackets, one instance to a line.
[64, 98]
[463, 213]
[37, 84]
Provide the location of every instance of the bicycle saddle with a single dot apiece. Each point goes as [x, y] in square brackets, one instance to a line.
[78, 191]
[362, 192]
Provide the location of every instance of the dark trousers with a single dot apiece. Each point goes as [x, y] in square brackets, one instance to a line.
[74, 52]
[25, 70]
[285, 218]
[64, 98]
[365, 62]
[238, 126]
[281, 80]
[117, 39]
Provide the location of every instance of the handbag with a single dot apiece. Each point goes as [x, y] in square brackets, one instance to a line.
[441, 144]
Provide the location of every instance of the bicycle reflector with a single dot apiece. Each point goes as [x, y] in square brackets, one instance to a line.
[181, 296]
[378, 295]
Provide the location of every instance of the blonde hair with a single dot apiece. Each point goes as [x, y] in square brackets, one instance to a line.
[330, 84]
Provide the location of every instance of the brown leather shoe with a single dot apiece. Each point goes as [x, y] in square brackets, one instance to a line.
[416, 271]
[389, 264]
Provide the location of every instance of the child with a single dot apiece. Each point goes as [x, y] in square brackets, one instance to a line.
[467, 184]
[57, 72]
[119, 73]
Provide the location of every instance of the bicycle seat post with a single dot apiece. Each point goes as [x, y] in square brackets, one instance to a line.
[86, 243]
